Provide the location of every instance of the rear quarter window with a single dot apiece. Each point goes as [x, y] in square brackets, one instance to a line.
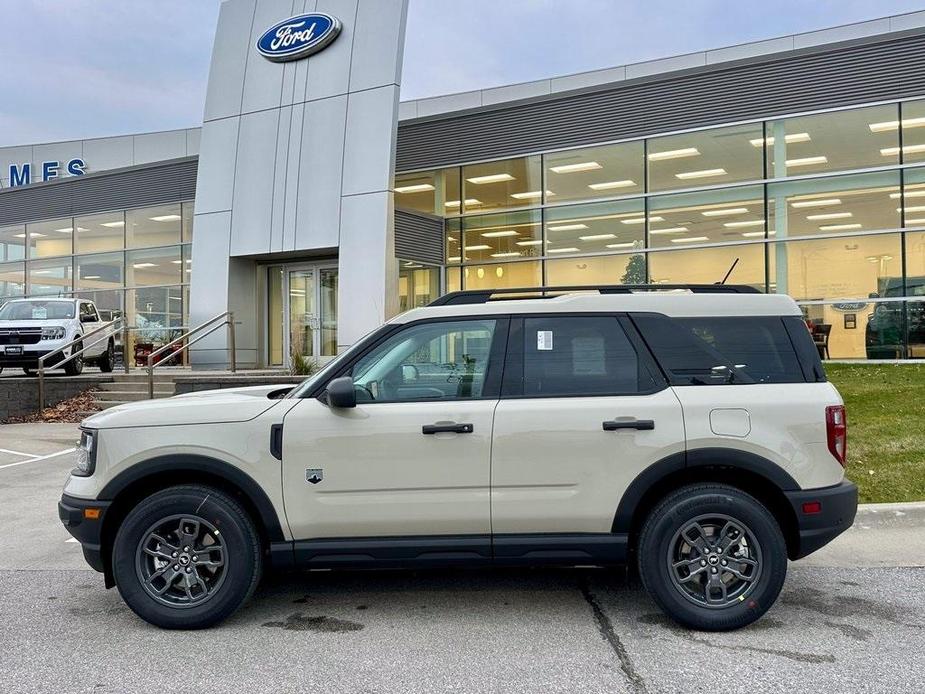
[722, 350]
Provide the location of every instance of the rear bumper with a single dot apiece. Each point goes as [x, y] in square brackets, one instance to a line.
[86, 530]
[837, 507]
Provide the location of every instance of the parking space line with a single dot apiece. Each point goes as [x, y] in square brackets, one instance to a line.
[28, 455]
[38, 458]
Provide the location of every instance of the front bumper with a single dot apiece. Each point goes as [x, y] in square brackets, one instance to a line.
[78, 517]
[837, 507]
[28, 358]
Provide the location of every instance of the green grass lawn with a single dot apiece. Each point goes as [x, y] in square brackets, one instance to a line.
[886, 428]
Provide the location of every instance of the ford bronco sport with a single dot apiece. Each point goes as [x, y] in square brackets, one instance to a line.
[691, 432]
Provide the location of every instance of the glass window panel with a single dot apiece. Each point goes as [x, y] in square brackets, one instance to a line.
[501, 275]
[153, 226]
[453, 279]
[833, 141]
[13, 242]
[500, 184]
[709, 265]
[915, 329]
[580, 356]
[153, 267]
[275, 315]
[872, 331]
[713, 216]
[103, 271]
[453, 240]
[913, 125]
[100, 232]
[157, 314]
[418, 284]
[12, 279]
[50, 276]
[600, 228]
[915, 266]
[856, 267]
[913, 197]
[431, 192]
[706, 158]
[595, 172]
[328, 291]
[51, 238]
[596, 270]
[187, 263]
[187, 210]
[837, 205]
[502, 236]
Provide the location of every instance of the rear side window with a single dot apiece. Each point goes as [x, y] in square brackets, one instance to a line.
[577, 356]
[722, 350]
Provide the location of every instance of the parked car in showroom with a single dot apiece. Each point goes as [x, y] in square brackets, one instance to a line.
[33, 328]
[692, 433]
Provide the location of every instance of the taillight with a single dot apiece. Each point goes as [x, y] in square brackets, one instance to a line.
[836, 430]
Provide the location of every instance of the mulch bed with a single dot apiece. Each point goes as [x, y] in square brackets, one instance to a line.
[72, 410]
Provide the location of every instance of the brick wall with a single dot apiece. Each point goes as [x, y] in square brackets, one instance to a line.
[20, 396]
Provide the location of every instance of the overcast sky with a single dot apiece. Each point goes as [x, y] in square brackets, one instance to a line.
[72, 69]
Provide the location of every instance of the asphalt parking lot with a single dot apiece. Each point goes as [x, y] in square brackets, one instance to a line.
[851, 619]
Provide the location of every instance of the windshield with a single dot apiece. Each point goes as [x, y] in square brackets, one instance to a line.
[306, 386]
[37, 310]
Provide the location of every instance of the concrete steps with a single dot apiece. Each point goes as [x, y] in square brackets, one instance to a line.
[132, 388]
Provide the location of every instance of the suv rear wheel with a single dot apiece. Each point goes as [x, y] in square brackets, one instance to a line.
[186, 557]
[712, 557]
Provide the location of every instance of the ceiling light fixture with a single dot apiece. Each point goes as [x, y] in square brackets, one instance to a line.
[576, 168]
[749, 223]
[481, 247]
[822, 202]
[112, 225]
[886, 126]
[499, 234]
[531, 195]
[674, 154]
[807, 161]
[830, 215]
[631, 244]
[839, 227]
[704, 173]
[141, 266]
[669, 230]
[725, 212]
[908, 149]
[597, 237]
[641, 220]
[610, 185]
[690, 239]
[512, 254]
[562, 250]
[490, 178]
[166, 218]
[567, 227]
[534, 242]
[416, 188]
[790, 139]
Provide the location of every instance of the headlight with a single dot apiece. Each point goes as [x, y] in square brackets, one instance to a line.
[55, 333]
[86, 454]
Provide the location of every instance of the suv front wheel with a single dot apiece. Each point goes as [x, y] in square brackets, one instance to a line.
[186, 557]
[712, 557]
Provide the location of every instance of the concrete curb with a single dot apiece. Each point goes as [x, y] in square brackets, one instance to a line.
[900, 515]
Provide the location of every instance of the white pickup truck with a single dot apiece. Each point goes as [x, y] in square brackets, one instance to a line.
[32, 328]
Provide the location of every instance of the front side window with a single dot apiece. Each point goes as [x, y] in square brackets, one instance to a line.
[580, 356]
[429, 361]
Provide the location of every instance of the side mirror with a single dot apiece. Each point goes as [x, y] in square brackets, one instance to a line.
[341, 393]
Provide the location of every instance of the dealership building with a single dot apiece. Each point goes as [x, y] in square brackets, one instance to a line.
[314, 204]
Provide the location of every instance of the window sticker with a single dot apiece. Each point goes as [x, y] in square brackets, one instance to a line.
[544, 340]
[39, 313]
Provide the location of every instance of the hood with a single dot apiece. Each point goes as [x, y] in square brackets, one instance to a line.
[203, 407]
[34, 323]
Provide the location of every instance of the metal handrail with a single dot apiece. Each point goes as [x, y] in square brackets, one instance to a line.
[226, 318]
[74, 355]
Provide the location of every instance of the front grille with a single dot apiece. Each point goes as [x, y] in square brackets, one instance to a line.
[20, 336]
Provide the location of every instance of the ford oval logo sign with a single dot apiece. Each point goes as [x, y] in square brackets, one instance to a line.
[298, 37]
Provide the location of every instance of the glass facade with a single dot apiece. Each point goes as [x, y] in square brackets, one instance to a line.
[828, 207]
[137, 262]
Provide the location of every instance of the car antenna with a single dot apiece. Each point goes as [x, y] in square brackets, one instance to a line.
[731, 268]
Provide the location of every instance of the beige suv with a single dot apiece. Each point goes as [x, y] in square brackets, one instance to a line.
[689, 431]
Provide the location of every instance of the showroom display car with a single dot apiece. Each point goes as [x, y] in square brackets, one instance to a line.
[687, 430]
[33, 328]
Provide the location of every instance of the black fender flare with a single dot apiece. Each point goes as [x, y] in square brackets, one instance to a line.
[200, 464]
[697, 458]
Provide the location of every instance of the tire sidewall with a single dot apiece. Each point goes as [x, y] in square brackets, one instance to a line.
[107, 358]
[242, 557]
[680, 509]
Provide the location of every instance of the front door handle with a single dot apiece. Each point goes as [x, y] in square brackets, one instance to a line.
[643, 424]
[447, 427]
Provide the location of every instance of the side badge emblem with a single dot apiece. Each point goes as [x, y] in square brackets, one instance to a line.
[314, 476]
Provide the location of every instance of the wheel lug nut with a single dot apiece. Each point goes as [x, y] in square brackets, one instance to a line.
[703, 562]
[197, 559]
[176, 567]
[174, 554]
[189, 571]
[725, 562]
[714, 569]
[186, 549]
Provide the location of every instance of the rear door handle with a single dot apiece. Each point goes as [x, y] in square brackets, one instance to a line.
[447, 427]
[643, 424]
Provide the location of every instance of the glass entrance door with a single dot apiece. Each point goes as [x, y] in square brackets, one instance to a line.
[302, 313]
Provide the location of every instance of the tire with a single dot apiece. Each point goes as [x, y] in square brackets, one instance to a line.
[682, 568]
[75, 366]
[212, 592]
[107, 359]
